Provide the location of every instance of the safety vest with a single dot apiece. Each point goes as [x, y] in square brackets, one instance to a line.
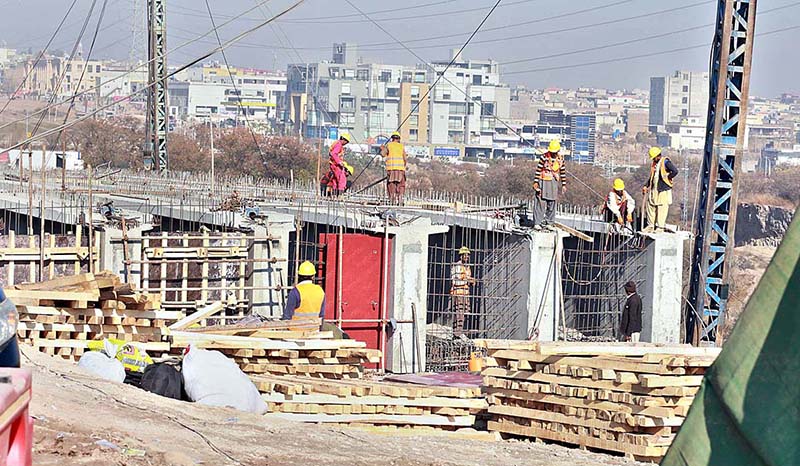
[394, 160]
[311, 297]
[459, 279]
[551, 168]
[661, 166]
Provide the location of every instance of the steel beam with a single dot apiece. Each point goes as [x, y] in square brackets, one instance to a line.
[712, 257]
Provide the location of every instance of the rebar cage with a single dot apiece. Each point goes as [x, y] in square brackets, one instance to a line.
[593, 275]
[489, 307]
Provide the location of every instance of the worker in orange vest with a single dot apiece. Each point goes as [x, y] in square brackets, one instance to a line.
[336, 161]
[460, 282]
[658, 190]
[618, 207]
[549, 182]
[394, 155]
[306, 300]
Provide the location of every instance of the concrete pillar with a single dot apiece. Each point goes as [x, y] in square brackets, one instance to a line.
[408, 285]
[112, 252]
[273, 275]
[662, 302]
[543, 286]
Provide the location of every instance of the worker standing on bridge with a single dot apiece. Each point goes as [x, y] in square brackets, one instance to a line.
[658, 190]
[394, 155]
[618, 207]
[550, 180]
[306, 301]
[336, 162]
[460, 282]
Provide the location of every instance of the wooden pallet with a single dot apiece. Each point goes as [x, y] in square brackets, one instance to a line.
[628, 399]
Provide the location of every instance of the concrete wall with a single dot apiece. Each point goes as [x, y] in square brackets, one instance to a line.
[662, 302]
[543, 287]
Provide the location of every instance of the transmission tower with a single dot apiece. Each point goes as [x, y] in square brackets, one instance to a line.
[138, 34]
[157, 121]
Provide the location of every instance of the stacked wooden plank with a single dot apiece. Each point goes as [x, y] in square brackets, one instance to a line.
[281, 348]
[62, 315]
[629, 399]
[370, 402]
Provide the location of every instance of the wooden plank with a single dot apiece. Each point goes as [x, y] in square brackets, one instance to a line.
[182, 339]
[197, 316]
[428, 420]
[624, 349]
[587, 362]
[69, 283]
[432, 402]
[53, 295]
[654, 381]
[154, 346]
[549, 416]
[574, 232]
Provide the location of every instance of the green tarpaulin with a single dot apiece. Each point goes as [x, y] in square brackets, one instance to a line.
[746, 412]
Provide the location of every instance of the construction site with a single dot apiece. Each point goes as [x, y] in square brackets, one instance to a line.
[450, 329]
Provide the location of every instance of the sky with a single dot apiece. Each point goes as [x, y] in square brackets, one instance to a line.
[616, 44]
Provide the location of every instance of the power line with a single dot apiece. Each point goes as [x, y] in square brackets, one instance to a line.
[183, 67]
[143, 65]
[634, 57]
[235, 89]
[41, 54]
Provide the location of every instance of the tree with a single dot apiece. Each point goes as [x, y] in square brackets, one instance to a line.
[102, 141]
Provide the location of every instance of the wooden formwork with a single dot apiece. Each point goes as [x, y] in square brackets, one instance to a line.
[20, 256]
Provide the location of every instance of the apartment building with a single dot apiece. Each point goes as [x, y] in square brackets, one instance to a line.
[673, 98]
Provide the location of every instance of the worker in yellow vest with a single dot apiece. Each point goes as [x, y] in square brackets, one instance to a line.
[306, 300]
[550, 181]
[658, 190]
[461, 281]
[394, 155]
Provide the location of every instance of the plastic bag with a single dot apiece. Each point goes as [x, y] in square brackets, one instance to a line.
[210, 378]
[99, 364]
[129, 354]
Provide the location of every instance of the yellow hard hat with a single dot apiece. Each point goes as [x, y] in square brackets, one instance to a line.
[348, 167]
[345, 136]
[396, 134]
[619, 185]
[554, 146]
[463, 250]
[654, 152]
[307, 269]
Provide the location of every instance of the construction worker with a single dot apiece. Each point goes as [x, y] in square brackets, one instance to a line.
[630, 323]
[327, 185]
[306, 300]
[460, 282]
[658, 190]
[336, 162]
[550, 180]
[618, 207]
[394, 155]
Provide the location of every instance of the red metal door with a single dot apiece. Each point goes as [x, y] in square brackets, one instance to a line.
[355, 300]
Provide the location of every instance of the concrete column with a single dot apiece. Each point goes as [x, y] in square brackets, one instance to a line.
[544, 286]
[408, 285]
[662, 302]
[269, 302]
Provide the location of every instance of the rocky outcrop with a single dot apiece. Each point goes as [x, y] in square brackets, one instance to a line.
[761, 225]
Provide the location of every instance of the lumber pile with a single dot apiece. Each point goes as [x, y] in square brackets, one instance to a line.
[60, 316]
[624, 398]
[365, 402]
[282, 348]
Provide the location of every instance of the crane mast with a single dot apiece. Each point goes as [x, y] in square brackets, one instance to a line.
[715, 214]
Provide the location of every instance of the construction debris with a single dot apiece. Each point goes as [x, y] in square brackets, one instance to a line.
[625, 398]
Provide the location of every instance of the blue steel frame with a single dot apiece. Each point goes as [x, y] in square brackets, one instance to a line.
[731, 57]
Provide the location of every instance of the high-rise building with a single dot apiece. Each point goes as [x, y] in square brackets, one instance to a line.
[674, 98]
[577, 133]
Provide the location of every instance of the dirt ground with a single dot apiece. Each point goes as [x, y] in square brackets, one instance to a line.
[74, 411]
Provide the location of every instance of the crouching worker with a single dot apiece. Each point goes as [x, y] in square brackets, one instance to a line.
[618, 208]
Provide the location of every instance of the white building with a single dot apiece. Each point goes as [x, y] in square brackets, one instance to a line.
[674, 98]
[691, 134]
[119, 82]
[213, 93]
[459, 118]
[52, 159]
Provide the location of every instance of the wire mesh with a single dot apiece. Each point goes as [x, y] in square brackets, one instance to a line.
[476, 298]
[593, 277]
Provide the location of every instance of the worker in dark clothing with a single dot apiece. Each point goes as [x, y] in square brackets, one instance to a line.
[306, 300]
[630, 325]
